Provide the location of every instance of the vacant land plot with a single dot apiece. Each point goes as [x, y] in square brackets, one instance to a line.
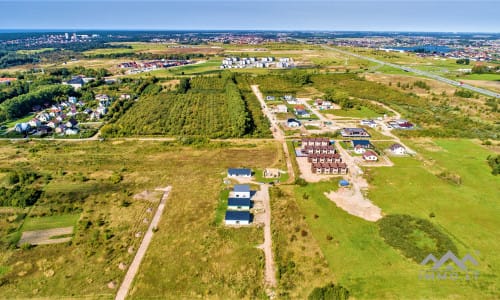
[360, 258]
[105, 234]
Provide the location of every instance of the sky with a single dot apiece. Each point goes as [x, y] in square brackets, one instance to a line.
[327, 15]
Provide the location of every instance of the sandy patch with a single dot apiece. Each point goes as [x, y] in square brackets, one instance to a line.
[352, 201]
[152, 196]
[487, 84]
[43, 237]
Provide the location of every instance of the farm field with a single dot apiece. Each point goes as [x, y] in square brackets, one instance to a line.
[111, 215]
[360, 258]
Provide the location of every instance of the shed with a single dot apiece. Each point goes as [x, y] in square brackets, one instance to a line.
[241, 191]
[237, 218]
[238, 204]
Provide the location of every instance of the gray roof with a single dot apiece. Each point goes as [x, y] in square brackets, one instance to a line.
[237, 216]
[242, 188]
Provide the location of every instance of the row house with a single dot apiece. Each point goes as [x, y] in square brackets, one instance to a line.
[315, 142]
[319, 150]
[329, 168]
[324, 158]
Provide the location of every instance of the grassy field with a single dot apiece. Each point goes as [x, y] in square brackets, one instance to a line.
[82, 180]
[490, 77]
[55, 221]
[371, 269]
[363, 112]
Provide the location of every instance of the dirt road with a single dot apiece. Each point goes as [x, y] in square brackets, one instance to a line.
[134, 266]
[267, 247]
[278, 134]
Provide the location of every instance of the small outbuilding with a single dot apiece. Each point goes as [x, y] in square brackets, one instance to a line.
[237, 218]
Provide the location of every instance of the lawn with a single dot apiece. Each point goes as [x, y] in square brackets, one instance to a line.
[490, 77]
[363, 112]
[369, 268]
[56, 221]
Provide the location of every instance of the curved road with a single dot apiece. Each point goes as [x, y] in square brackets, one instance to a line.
[419, 72]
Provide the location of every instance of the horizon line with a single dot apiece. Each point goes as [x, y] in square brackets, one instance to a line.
[7, 30]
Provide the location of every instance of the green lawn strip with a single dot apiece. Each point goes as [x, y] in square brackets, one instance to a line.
[221, 206]
[51, 222]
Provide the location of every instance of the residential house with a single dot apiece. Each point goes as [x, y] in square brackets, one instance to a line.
[34, 123]
[398, 149]
[358, 149]
[71, 131]
[232, 172]
[293, 123]
[238, 204]
[71, 123]
[270, 98]
[363, 143]
[75, 82]
[369, 123]
[237, 218]
[322, 104]
[315, 142]
[241, 191]
[22, 127]
[370, 156]
[281, 108]
[72, 100]
[354, 132]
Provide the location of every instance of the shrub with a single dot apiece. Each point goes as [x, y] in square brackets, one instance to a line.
[415, 238]
[329, 292]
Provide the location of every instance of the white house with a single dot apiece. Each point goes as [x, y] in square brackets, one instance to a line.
[34, 123]
[359, 149]
[22, 127]
[241, 191]
[240, 204]
[398, 149]
[281, 108]
[293, 123]
[232, 172]
[370, 156]
[237, 218]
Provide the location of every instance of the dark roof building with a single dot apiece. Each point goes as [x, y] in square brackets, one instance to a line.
[238, 202]
[362, 143]
[239, 172]
[236, 217]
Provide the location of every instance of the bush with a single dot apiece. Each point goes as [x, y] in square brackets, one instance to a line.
[494, 163]
[415, 238]
[329, 292]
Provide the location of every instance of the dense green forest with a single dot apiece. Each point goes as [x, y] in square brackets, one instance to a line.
[21, 105]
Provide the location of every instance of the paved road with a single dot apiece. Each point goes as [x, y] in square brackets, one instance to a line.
[134, 267]
[420, 72]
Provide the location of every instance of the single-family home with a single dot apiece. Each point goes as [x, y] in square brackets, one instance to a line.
[241, 191]
[293, 123]
[232, 172]
[354, 132]
[398, 149]
[22, 127]
[237, 218]
[34, 123]
[270, 98]
[369, 123]
[71, 131]
[43, 117]
[75, 82]
[281, 108]
[363, 143]
[72, 100]
[358, 149]
[238, 204]
[370, 156]
[71, 123]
